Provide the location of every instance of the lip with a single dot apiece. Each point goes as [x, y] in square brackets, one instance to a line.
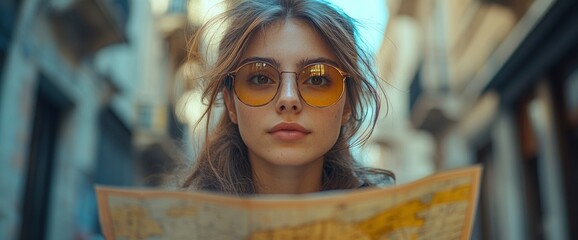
[288, 131]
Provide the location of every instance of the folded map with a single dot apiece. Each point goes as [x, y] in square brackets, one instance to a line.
[440, 206]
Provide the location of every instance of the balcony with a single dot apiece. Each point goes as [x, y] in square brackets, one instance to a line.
[86, 26]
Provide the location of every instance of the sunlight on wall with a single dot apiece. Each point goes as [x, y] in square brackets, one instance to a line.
[159, 6]
[206, 8]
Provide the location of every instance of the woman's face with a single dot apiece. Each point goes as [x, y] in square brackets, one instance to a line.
[287, 131]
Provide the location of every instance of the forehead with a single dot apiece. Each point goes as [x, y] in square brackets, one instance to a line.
[288, 43]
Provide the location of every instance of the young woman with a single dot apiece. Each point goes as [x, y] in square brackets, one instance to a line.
[296, 88]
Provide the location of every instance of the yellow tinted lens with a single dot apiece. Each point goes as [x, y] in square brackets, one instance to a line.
[320, 85]
[256, 83]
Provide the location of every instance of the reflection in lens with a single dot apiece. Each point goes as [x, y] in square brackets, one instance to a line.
[251, 93]
[325, 95]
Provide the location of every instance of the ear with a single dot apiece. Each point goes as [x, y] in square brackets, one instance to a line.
[346, 113]
[230, 105]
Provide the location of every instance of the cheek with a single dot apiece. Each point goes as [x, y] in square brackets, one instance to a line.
[249, 120]
[330, 121]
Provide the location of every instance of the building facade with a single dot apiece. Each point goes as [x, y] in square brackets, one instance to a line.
[86, 99]
[493, 82]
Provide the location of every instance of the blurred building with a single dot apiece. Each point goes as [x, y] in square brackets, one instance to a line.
[87, 97]
[494, 82]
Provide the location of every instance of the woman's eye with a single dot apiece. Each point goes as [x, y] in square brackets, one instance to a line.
[317, 81]
[260, 80]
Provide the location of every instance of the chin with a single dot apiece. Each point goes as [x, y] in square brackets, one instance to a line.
[292, 160]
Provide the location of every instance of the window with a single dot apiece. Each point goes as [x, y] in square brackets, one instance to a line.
[485, 225]
[8, 16]
[46, 124]
[530, 172]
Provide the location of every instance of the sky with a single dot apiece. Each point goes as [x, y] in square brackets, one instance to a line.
[372, 16]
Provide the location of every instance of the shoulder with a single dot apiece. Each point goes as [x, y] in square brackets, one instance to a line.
[373, 177]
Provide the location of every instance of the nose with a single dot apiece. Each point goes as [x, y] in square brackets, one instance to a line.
[288, 99]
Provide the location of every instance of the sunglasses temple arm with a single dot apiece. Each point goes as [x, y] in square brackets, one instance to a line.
[229, 81]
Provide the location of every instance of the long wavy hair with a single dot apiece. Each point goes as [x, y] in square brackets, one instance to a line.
[223, 163]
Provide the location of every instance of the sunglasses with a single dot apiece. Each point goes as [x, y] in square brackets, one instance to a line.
[257, 83]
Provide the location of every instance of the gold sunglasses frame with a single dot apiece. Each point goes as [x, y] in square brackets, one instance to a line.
[230, 82]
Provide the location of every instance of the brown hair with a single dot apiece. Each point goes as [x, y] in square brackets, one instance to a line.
[223, 163]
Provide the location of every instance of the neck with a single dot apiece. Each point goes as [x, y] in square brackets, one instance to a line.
[288, 179]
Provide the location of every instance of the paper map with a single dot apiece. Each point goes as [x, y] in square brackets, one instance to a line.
[440, 206]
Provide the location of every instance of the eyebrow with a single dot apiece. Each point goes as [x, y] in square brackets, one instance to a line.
[308, 61]
[301, 63]
[271, 61]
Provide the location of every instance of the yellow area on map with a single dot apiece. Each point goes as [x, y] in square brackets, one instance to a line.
[404, 216]
[134, 222]
[406, 219]
[410, 217]
[328, 229]
[460, 193]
